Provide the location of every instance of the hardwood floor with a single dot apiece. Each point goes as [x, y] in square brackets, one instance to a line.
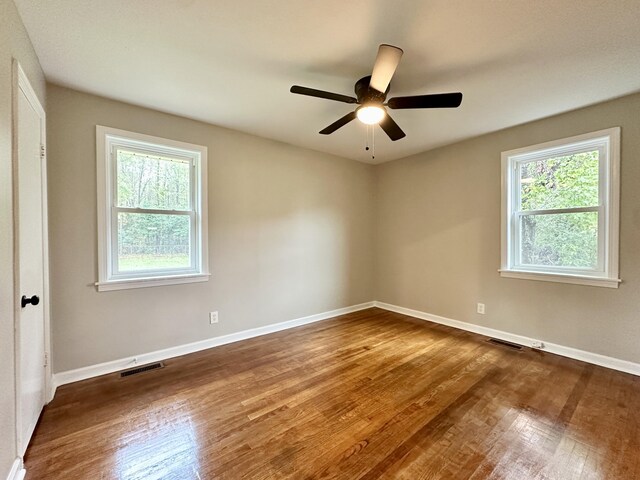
[368, 395]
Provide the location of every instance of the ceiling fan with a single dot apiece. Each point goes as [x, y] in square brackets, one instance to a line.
[371, 93]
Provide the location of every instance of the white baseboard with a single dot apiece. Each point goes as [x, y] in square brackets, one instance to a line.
[589, 357]
[16, 472]
[70, 376]
[91, 371]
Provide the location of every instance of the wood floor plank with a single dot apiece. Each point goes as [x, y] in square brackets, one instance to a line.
[369, 395]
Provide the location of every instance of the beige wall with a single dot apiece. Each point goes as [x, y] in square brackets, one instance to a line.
[290, 235]
[438, 239]
[14, 43]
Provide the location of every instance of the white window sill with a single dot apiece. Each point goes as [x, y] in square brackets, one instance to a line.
[562, 278]
[151, 281]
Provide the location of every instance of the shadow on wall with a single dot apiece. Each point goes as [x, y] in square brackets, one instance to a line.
[293, 233]
[439, 246]
[437, 221]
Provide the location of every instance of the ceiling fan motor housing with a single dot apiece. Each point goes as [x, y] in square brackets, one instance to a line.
[367, 94]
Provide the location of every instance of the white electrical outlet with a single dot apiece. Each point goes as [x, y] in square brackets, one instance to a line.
[213, 317]
[481, 308]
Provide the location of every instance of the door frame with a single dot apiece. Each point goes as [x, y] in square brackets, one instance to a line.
[20, 83]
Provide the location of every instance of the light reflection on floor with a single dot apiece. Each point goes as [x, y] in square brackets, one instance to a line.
[559, 452]
[159, 449]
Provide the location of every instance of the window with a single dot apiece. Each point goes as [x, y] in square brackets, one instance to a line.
[152, 210]
[560, 203]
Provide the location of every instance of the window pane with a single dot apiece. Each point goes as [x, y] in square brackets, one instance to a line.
[151, 181]
[560, 240]
[560, 182]
[151, 242]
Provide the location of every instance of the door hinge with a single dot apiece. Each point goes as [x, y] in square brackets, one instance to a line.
[46, 359]
[42, 151]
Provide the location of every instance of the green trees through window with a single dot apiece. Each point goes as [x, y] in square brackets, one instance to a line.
[567, 239]
[158, 240]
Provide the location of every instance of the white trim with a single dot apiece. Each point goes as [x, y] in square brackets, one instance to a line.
[91, 371]
[20, 82]
[153, 211]
[613, 232]
[17, 471]
[555, 211]
[543, 148]
[151, 282]
[562, 278]
[108, 139]
[570, 352]
[607, 272]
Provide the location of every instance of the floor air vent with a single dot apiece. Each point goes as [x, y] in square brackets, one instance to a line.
[144, 368]
[504, 343]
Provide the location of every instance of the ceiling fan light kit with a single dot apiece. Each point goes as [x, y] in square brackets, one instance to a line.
[371, 94]
[370, 114]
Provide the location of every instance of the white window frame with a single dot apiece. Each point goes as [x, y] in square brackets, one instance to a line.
[108, 142]
[606, 272]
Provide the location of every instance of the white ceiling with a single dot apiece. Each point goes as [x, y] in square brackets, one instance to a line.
[231, 62]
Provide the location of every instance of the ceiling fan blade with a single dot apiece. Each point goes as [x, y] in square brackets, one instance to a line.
[338, 123]
[437, 100]
[312, 92]
[386, 63]
[391, 128]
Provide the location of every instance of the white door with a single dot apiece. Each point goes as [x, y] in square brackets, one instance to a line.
[30, 233]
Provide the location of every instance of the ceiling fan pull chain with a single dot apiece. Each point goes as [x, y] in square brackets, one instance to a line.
[366, 137]
[373, 143]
